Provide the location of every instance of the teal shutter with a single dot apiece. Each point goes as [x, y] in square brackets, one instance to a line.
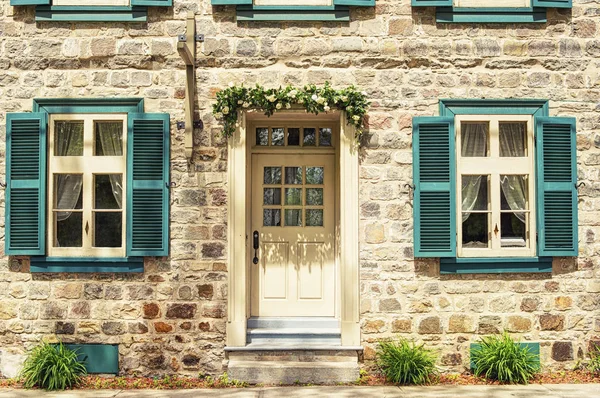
[147, 179]
[431, 3]
[26, 183]
[152, 3]
[556, 191]
[359, 3]
[553, 3]
[434, 170]
[29, 2]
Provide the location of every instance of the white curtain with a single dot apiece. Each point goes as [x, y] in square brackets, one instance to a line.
[514, 187]
[111, 140]
[474, 144]
[68, 186]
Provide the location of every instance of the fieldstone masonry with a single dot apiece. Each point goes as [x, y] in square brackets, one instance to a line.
[171, 318]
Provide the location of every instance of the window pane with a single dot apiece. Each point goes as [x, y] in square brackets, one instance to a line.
[277, 136]
[68, 191]
[475, 230]
[325, 136]
[108, 191]
[513, 139]
[513, 194]
[293, 175]
[109, 138]
[314, 175]
[68, 138]
[262, 136]
[271, 217]
[293, 196]
[314, 197]
[68, 229]
[272, 196]
[293, 217]
[108, 229]
[294, 136]
[314, 217]
[474, 192]
[272, 175]
[310, 136]
[475, 139]
[513, 230]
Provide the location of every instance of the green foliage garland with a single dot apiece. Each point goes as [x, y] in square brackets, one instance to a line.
[314, 99]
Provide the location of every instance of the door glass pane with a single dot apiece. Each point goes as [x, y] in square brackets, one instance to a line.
[475, 139]
[68, 229]
[314, 217]
[108, 191]
[272, 175]
[474, 192]
[68, 191]
[262, 136]
[513, 192]
[293, 175]
[310, 136]
[293, 196]
[293, 136]
[513, 230]
[272, 196]
[475, 230]
[271, 217]
[109, 138]
[108, 229]
[68, 138]
[513, 139]
[277, 136]
[314, 197]
[293, 217]
[325, 136]
[314, 175]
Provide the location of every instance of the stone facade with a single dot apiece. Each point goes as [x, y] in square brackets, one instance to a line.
[171, 318]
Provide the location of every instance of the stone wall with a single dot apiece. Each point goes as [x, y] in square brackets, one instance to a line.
[172, 318]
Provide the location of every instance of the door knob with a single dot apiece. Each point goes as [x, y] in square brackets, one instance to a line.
[255, 246]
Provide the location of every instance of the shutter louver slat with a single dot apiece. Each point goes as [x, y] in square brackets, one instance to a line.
[431, 3]
[26, 178]
[557, 195]
[148, 169]
[433, 152]
[553, 3]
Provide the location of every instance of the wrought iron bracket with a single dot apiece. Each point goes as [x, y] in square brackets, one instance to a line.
[186, 46]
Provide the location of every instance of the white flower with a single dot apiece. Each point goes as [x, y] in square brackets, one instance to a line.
[245, 105]
[218, 115]
[225, 110]
[301, 101]
[240, 102]
[278, 106]
[271, 98]
[349, 108]
[292, 94]
[231, 84]
[327, 108]
[344, 98]
[320, 100]
[356, 118]
[288, 106]
[314, 97]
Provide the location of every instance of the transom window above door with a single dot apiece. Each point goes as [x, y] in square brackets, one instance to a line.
[294, 136]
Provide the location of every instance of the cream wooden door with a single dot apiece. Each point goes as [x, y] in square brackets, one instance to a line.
[293, 213]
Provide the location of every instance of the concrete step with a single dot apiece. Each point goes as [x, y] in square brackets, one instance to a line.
[298, 336]
[292, 322]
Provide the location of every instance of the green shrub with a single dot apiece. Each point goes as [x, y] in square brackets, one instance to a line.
[405, 362]
[594, 364]
[52, 367]
[501, 358]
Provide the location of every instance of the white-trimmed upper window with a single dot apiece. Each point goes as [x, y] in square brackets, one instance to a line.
[495, 186]
[491, 3]
[86, 184]
[110, 3]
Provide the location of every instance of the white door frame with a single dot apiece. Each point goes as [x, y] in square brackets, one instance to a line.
[239, 224]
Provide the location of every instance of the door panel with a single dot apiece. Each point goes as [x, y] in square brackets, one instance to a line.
[293, 211]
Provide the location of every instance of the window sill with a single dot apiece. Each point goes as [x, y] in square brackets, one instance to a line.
[253, 13]
[490, 15]
[86, 265]
[91, 14]
[495, 265]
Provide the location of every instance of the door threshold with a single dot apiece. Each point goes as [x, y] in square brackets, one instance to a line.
[293, 347]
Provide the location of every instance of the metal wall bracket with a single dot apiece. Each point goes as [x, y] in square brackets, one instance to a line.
[186, 46]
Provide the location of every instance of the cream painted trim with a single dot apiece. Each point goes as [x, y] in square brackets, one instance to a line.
[292, 2]
[90, 2]
[237, 221]
[491, 3]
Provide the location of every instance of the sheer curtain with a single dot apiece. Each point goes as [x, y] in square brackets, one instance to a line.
[512, 144]
[68, 186]
[474, 144]
[111, 140]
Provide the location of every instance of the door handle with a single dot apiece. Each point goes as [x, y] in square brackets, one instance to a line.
[255, 246]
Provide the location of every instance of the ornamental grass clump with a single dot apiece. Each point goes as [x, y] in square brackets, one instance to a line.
[52, 367]
[594, 364]
[501, 358]
[404, 362]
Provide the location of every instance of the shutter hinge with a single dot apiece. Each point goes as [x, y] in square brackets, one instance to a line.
[2, 184]
[171, 184]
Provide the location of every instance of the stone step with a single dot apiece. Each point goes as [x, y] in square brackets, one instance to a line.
[255, 352]
[298, 336]
[292, 322]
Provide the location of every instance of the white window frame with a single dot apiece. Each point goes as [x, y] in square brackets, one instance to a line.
[87, 165]
[491, 3]
[97, 3]
[494, 166]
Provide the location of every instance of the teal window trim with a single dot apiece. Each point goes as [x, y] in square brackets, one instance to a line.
[490, 15]
[86, 265]
[495, 265]
[534, 348]
[91, 13]
[97, 358]
[290, 13]
[534, 107]
[39, 264]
